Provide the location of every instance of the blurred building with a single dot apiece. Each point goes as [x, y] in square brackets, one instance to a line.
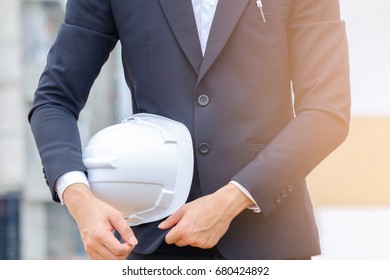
[12, 129]
[350, 189]
[31, 225]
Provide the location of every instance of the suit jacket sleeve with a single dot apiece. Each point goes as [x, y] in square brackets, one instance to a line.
[320, 76]
[84, 42]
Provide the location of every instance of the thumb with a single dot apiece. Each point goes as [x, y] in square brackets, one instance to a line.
[172, 220]
[125, 232]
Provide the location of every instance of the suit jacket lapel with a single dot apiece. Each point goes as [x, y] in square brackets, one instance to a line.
[180, 16]
[225, 19]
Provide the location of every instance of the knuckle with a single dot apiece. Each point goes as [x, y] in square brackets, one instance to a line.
[88, 245]
[97, 235]
[178, 232]
[121, 254]
[208, 245]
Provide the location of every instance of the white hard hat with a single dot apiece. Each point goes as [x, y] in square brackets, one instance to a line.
[143, 166]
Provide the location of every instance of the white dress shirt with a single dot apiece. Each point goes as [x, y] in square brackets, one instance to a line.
[204, 11]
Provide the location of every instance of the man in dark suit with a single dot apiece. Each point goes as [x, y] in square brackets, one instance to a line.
[231, 84]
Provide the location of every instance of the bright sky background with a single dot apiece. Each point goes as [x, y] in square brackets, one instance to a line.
[368, 28]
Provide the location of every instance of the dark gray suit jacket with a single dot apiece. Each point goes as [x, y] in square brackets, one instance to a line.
[237, 99]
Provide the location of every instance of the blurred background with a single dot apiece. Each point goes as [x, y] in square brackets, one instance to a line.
[350, 189]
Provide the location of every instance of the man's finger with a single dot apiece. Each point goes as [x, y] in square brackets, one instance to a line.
[125, 231]
[173, 236]
[171, 220]
[104, 253]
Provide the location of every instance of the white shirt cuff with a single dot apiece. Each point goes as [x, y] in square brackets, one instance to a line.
[68, 179]
[254, 207]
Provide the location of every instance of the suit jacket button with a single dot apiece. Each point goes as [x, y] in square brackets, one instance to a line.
[290, 189]
[204, 148]
[278, 199]
[203, 100]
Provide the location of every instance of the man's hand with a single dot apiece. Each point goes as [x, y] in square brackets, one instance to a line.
[202, 222]
[96, 221]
